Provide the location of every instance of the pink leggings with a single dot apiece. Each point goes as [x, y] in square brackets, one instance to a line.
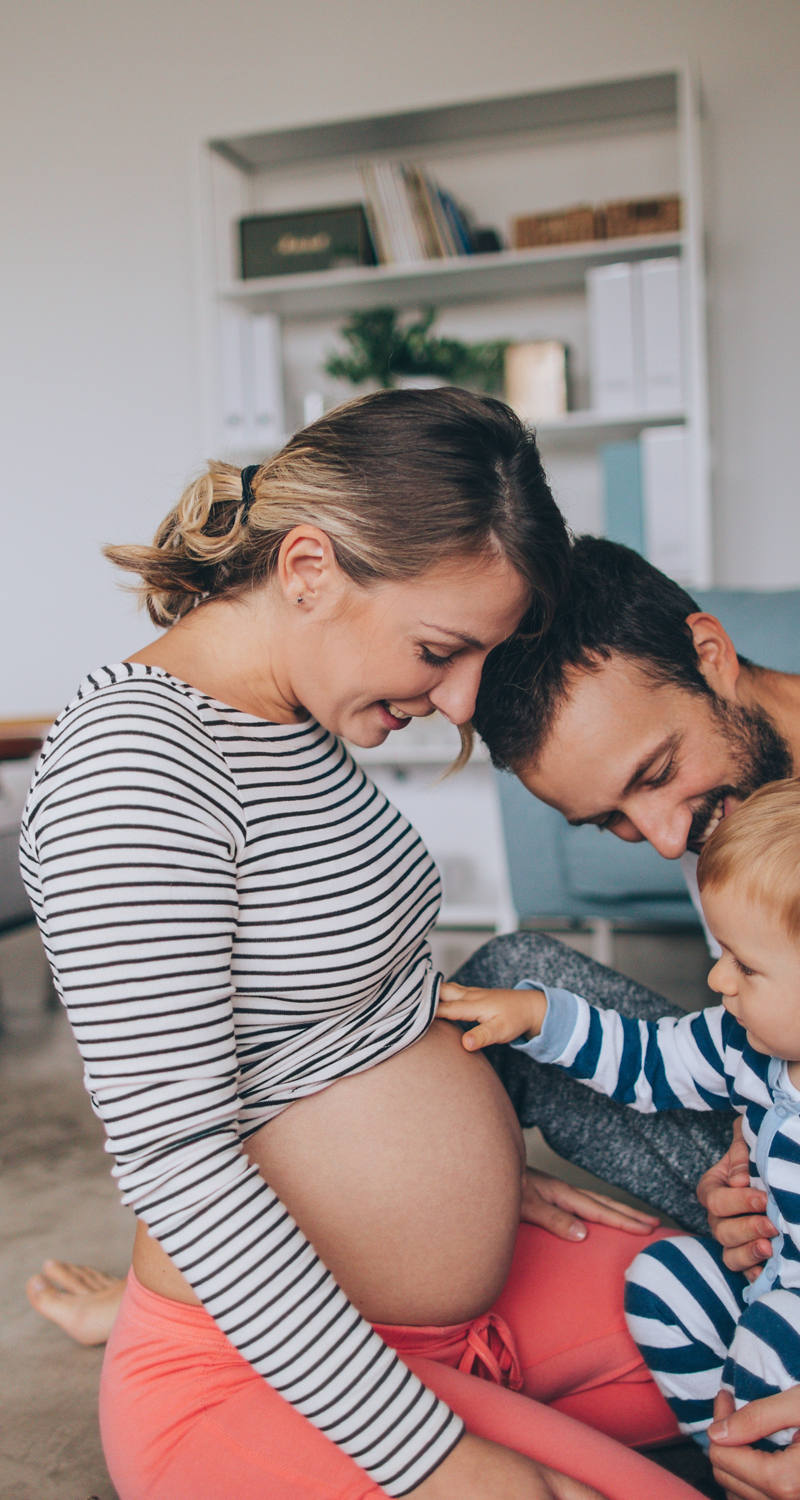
[184, 1416]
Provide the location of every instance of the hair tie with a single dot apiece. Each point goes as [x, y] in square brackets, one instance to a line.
[248, 476]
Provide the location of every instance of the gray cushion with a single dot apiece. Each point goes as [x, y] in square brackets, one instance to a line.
[597, 864]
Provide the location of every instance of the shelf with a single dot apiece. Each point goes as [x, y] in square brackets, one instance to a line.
[578, 429]
[425, 742]
[593, 426]
[398, 758]
[645, 96]
[466, 278]
[467, 916]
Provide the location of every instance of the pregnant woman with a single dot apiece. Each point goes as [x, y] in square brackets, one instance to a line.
[331, 1295]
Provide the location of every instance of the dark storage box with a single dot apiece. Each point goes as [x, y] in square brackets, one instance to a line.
[317, 239]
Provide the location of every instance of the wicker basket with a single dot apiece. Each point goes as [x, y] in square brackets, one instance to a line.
[561, 228]
[632, 216]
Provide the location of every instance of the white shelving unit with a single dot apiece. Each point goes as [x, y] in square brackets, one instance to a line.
[630, 137]
[592, 142]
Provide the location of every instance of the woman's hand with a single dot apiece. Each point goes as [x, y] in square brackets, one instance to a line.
[746, 1473]
[479, 1470]
[502, 1015]
[555, 1205]
[735, 1211]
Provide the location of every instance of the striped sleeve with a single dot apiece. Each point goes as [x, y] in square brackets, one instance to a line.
[650, 1065]
[782, 1174]
[129, 851]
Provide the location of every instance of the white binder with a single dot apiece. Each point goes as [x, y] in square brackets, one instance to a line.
[613, 338]
[661, 353]
[268, 418]
[667, 497]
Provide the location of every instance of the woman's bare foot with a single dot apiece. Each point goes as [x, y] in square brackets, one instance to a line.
[81, 1300]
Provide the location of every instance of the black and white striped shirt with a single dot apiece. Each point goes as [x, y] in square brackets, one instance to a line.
[235, 917]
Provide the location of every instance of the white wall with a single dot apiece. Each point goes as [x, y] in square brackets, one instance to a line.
[102, 106]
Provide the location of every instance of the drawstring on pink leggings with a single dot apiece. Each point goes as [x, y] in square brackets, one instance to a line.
[489, 1352]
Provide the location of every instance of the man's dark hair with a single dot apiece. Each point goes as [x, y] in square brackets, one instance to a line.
[616, 603]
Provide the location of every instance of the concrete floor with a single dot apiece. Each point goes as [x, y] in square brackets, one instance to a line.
[58, 1198]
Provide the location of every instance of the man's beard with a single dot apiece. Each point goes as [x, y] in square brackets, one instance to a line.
[761, 754]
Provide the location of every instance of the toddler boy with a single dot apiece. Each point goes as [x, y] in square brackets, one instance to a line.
[700, 1326]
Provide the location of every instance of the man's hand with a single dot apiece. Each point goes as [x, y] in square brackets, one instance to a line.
[746, 1473]
[735, 1211]
[561, 1208]
[502, 1015]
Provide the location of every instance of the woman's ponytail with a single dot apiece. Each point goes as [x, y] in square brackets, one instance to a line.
[196, 549]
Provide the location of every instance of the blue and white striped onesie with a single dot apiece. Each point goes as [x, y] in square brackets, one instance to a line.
[699, 1326]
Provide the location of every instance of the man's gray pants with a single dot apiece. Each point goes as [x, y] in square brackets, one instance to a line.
[656, 1157]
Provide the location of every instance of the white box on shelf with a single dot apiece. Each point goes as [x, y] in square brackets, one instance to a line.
[536, 380]
[666, 491]
[232, 328]
[614, 337]
[313, 407]
[268, 418]
[661, 333]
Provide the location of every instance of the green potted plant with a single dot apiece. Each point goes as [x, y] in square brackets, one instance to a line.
[386, 348]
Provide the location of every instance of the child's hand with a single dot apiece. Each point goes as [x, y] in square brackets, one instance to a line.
[503, 1015]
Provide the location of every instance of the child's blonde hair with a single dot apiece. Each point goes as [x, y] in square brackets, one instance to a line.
[758, 846]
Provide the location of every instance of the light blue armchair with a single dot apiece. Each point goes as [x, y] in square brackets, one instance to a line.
[582, 875]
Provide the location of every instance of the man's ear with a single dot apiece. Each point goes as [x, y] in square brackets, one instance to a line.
[716, 654]
[307, 569]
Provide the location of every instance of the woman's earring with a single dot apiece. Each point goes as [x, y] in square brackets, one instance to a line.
[299, 599]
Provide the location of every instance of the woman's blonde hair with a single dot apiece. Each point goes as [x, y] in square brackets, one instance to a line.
[399, 481]
[758, 847]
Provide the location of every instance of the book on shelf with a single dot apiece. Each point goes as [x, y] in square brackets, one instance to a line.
[432, 228]
[374, 210]
[410, 217]
[402, 224]
[458, 222]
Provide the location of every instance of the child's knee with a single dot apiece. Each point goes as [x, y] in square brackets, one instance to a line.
[650, 1283]
[653, 1265]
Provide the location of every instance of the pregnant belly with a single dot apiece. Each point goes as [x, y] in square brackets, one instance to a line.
[406, 1179]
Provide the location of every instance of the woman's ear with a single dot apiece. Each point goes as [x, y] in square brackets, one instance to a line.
[716, 654]
[307, 570]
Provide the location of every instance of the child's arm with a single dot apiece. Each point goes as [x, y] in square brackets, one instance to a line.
[668, 1064]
